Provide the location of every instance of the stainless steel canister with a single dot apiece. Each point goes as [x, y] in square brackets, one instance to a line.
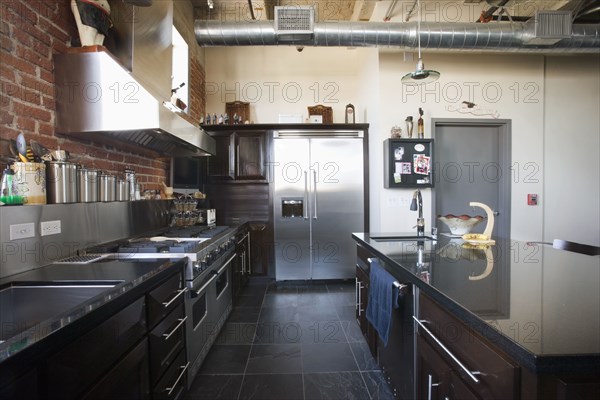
[108, 188]
[61, 182]
[89, 185]
[123, 190]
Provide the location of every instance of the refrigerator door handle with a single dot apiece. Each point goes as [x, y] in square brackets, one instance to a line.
[305, 205]
[315, 216]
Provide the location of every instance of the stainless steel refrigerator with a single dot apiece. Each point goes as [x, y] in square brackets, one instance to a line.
[318, 201]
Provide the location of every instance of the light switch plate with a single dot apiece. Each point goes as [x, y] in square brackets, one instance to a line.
[22, 231]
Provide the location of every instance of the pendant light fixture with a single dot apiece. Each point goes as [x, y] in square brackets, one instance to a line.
[421, 76]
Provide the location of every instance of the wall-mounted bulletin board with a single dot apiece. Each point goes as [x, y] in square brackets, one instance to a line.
[408, 163]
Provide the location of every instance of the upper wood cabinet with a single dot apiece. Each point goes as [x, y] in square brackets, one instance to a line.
[241, 156]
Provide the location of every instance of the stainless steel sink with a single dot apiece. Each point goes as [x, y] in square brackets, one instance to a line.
[396, 238]
[22, 307]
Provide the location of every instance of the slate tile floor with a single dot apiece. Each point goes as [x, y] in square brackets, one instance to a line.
[287, 341]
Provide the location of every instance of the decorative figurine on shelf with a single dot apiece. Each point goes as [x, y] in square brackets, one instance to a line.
[207, 119]
[226, 119]
[92, 18]
[409, 126]
[214, 119]
[221, 119]
[396, 132]
[350, 114]
[235, 119]
[420, 126]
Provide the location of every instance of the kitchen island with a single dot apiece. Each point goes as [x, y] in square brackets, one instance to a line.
[535, 307]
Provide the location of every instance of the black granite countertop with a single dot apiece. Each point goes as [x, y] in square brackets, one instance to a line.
[538, 304]
[116, 280]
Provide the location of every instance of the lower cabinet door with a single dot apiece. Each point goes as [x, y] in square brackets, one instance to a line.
[128, 380]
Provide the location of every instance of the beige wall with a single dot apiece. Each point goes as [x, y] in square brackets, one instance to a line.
[530, 90]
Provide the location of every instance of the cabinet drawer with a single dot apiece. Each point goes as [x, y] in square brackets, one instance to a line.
[166, 340]
[173, 383]
[164, 299]
[497, 374]
[83, 361]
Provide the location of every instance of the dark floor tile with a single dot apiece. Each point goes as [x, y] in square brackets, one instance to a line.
[363, 356]
[342, 298]
[322, 332]
[254, 290]
[272, 387]
[328, 357]
[377, 385]
[312, 287]
[281, 300]
[279, 314]
[324, 313]
[244, 314]
[282, 287]
[275, 359]
[236, 333]
[226, 359]
[352, 331]
[341, 287]
[249, 301]
[346, 313]
[335, 385]
[278, 333]
[320, 299]
[215, 387]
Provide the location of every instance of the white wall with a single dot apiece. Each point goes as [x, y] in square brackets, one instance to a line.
[530, 90]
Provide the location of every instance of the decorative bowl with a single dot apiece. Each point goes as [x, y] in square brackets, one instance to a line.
[461, 224]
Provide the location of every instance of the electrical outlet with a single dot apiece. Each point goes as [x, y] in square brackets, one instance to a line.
[22, 231]
[50, 228]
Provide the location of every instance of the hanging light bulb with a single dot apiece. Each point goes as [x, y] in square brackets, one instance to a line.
[421, 76]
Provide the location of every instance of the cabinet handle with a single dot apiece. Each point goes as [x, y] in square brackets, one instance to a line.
[183, 369]
[452, 356]
[430, 386]
[356, 293]
[168, 335]
[179, 293]
[237, 160]
[360, 309]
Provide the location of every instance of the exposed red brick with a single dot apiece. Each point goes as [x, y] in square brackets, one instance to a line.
[19, 64]
[35, 112]
[47, 76]
[54, 31]
[6, 43]
[37, 84]
[25, 124]
[32, 57]
[5, 117]
[45, 129]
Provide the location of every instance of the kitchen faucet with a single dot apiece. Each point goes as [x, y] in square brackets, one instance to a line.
[413, 207]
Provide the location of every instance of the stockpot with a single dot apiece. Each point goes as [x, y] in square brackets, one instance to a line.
[123, 193]
[108, 188]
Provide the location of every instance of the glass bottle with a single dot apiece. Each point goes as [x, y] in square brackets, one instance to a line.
[409, 126]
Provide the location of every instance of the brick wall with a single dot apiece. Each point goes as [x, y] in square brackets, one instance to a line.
[31, 32]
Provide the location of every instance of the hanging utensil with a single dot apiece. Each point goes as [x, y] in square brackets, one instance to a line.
[12, 147]
[22, 147]
[39, 151]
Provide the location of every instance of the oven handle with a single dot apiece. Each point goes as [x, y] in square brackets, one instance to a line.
[226, 264]
[166, 336]
[179, 293]
[205, 285]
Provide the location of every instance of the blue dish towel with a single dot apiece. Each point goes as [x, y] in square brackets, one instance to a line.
[383, 296]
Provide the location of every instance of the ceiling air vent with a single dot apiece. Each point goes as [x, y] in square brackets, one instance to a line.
[549, 27]
[294, 20]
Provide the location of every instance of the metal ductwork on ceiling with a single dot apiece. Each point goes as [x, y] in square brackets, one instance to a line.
[494, 37]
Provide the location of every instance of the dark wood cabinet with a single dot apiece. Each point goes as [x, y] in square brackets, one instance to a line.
[240, 156]
[250, 156]
[241, 263]
[258, 250]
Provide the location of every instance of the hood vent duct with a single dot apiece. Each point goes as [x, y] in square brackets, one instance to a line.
[494, 37]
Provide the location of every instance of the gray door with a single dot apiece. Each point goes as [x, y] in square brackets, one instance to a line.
[472, 163]
[290, 209]
[337, 205]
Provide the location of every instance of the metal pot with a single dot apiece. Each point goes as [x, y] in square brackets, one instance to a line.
[61, 182]
[123, 193]
[89, 184]
[108, 188]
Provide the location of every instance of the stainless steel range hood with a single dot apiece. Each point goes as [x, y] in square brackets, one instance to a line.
[117, 96]
[99, 100]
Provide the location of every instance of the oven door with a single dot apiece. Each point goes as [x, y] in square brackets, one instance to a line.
[198, 308]
[223, 292]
